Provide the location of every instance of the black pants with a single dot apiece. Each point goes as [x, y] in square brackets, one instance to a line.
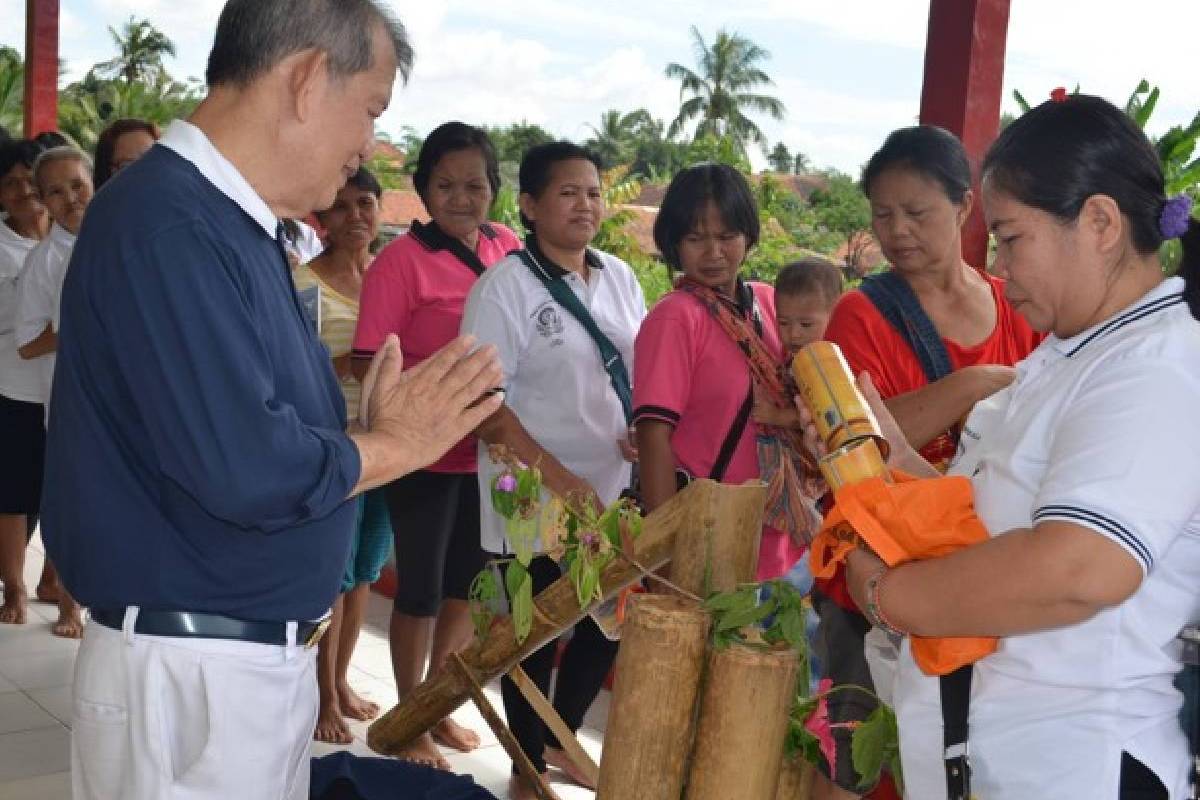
[585, 663]
[1138, 782]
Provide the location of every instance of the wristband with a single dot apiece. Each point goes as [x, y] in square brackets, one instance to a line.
[874, 609]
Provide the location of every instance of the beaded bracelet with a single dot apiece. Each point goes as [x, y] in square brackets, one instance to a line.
[874, 609]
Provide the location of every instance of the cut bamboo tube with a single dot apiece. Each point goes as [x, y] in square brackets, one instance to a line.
[507, 740]
[558, 609]
[718, 547]
[795, 779]
[652, 711]
[545, 709]
[743, 721]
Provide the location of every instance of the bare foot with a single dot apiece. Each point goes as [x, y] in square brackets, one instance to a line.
[561, 761]
[424, 751]
[13, 610]
[521, 789]
[451, 734]
[331, 727]
[70, 618]
[354, 705]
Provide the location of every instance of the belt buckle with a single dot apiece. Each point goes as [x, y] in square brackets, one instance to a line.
[317, 633]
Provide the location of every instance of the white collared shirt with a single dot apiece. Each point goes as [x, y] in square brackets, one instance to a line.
[19, 380]
[39, 295]
[192, 144]
[1099, 430]
[554, 380]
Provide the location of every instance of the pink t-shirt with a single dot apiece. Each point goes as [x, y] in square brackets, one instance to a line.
[690, 374]
[419, 293]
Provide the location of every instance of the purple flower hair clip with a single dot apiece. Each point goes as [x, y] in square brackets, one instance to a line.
[1175, 217]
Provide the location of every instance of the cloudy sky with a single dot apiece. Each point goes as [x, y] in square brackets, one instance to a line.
[849, 71]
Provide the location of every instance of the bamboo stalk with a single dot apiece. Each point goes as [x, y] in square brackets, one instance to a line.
[743, 722]
[652, 711]
[498, 652]
[795, 780]
[545, 710]
[718, 547]
[507, 740]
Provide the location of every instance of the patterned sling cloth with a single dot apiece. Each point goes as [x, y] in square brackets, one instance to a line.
[793, 479]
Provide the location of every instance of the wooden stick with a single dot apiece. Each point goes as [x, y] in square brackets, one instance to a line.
[507, 740]
[555, 723]
[498, 652]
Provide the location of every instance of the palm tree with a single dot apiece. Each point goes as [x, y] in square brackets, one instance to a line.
[141, 48]
[615, 140]
[723, 89]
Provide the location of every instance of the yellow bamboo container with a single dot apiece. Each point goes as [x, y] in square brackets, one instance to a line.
[854, 463]
[828, 390]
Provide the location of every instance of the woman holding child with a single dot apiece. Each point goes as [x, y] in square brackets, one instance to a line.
[694, 386]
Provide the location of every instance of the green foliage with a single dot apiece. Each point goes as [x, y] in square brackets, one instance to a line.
[483, 596]
[12, 90]
[875, 745]
[724, 89]
[520, 597]
[390, 176]
[511, 142]
[769, 614]
[1175, 149]
[780, 158]
[720, 149]
[842, 208]
[140, 50]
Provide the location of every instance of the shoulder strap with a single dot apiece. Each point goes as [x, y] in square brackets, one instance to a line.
[729, 446]
[614, 365]
[956, 700]
[434, 238]
[895, 300]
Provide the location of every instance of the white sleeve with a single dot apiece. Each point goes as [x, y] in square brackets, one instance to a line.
[35, 299]
[495, 320]
[1125, 459]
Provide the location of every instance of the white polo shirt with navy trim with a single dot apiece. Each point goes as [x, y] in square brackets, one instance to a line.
[554, 379]
[1101, 430]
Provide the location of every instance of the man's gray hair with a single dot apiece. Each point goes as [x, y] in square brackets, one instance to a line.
[63, 153]
[255, 35]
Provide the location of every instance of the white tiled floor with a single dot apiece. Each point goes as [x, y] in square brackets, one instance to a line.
[35, 705]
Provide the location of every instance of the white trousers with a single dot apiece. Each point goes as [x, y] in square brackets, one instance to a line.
[164, 718]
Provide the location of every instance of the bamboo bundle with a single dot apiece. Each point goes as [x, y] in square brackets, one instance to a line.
[652, 713]
[557, 609]
[717, 548]
[795, 780]
[743, 721]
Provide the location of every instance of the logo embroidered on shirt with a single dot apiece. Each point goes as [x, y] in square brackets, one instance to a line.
[548, 322]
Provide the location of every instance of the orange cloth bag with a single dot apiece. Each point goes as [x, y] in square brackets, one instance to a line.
[904, 521]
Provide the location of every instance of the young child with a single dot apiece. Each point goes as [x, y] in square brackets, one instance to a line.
[63, 179]
[805, 293]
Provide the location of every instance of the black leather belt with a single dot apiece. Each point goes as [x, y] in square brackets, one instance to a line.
[195, 625]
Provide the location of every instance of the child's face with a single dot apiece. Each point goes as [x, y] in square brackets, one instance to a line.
[66, 189]
[801, 318]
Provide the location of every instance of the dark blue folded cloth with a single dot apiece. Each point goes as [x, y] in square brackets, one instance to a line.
[344, 776]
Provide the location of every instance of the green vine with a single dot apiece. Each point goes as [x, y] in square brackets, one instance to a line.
[583, 541]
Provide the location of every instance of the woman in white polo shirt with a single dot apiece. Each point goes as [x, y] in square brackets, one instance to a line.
[561, 409]
[21, 428]
[1086, 471]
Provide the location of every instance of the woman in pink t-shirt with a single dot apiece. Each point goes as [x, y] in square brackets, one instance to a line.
[417, 289]
[692, 390]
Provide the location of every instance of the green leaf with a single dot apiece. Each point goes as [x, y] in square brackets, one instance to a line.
[1022, 103]
[520, 593]
[482, 594]
[1146, 109]
[875, 742]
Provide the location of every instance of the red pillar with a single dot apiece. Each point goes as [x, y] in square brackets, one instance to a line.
[41, 66]
[964, 77]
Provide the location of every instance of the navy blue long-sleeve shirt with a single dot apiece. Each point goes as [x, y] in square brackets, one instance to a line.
[196, 456]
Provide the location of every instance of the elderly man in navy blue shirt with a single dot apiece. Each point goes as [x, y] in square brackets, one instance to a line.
[200, 463]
